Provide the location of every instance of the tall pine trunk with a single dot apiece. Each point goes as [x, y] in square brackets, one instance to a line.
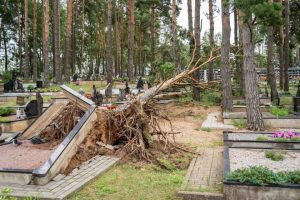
[174, 34]
[26, 51]
[270, 69]
[80, 65]
[19, 37]
[68, 41]
[254, 116]
[130, 39]
[211, 37]
[153, 40]
[34, 41]
[240, 71]
[190, 23]
[286, 45]
[196, 74]
[56, 31]
[109, 47]
[46, 41]
[225, 64]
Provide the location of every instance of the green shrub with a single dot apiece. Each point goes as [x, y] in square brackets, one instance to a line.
[4, 111]
[295, 139]
[280, 140]
[292, 177]
[7, 75]
[210, 98]
[279, 112]
[256, 175]
[262, 138]
[274, 155]
[239, 123]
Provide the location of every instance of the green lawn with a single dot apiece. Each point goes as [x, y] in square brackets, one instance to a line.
[128, 182]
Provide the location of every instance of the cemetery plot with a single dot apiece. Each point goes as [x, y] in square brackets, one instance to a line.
[257, 173]
[277, 140]
[270, 120]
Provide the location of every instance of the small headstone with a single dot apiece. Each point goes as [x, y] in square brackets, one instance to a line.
[140, 84]
[97, 97]
[31, 109]
[75, 77]
[39, 105]
[39, 84]
[127, 89]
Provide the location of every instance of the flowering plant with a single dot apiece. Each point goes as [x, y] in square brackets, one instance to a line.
[286, 134]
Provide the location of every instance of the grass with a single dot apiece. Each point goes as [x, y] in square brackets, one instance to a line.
[216, 143]
[262, 138]
[206, 129]
[127, 182]
[279, 112]
[208, 99]
[274, 155]
[239, 123]
[286, 100]
[87, 87]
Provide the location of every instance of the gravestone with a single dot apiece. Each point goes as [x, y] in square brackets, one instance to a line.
[127, 89]
[39, 84]
[296, 99]
[75, 77]
[97, 97]
[31, 109]
[140, 84]
[266, 91]
[39, 101]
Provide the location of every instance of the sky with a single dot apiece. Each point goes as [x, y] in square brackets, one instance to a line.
[182, 20]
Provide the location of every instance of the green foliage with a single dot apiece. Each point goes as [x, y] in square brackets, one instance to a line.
[239, 123]
[292, 177]
[7, 75]
[30, 87]
[263, 176]
[265, 13]
[256, 175]
[210, 98]
[295, 139]
[274, 155]
[206, 129]
[262, 138]
[5, 194]
[166, 70]
[280, 140]
[4, 111]
[279, 112]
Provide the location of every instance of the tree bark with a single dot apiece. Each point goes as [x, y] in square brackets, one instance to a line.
[153, 40]
[225, 64]
[196, 74]
[174, 33]
[34, 41]
[131, 24]
[281, 57]
[270, 69]
[26, 58]
[190, 22]
[56, 28]
[46, 41]
[240, 71]
[68, 41]
[211, 37]
[254, 116]
[20, 37]
[286, 46]
[109, 47]
[80, 66]
[5, 49]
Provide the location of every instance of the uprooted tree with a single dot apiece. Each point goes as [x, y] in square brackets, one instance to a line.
[134, 124]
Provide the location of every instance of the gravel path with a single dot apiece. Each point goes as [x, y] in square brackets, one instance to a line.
[246, 136]
[242, 158]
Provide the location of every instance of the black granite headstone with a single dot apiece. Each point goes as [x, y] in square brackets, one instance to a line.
[75, 77]
[31, 109]
[140, 84]
[127, 89]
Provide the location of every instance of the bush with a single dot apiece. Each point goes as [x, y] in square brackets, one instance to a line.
[256, 175]
[274, 155]
[295, 139]
[279, 112]
[262, 138]
[239, 123]
[7, 75]
[210, 98]
[6, 111]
